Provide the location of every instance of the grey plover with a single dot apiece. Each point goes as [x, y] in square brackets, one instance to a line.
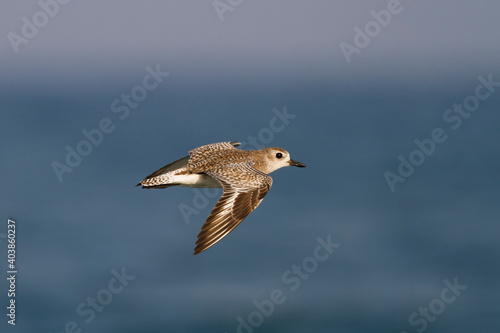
[242, 174]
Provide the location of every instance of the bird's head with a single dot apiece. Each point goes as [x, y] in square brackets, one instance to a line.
[276, 158]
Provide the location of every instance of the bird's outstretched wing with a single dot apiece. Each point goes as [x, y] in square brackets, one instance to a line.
[244, 188]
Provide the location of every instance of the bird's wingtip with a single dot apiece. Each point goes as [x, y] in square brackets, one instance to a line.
[198, 249]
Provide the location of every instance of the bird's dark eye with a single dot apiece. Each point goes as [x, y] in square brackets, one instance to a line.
[279, 155]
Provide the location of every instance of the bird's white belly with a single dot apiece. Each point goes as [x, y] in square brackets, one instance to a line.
[196, 180]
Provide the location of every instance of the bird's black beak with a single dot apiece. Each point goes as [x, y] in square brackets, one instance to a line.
[297, 164]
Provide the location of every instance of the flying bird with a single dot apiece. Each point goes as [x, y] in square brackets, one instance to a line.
[242, 174]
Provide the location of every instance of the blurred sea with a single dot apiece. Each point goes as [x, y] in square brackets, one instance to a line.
[396, 248]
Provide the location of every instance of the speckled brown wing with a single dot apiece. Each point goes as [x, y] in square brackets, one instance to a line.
[244, 188]
[203, 154]
[203, 150]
